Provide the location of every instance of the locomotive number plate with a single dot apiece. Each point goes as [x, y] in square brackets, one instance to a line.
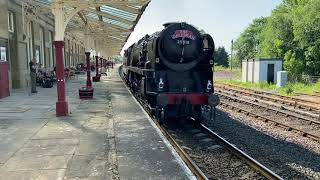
[183, 42]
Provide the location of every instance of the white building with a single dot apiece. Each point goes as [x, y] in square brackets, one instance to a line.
[261, 70]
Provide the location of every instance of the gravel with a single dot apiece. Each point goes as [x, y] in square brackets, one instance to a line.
[215, 161]
[279, 117]
[286, 153]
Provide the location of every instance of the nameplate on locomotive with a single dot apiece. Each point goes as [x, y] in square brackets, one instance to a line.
[183, 34]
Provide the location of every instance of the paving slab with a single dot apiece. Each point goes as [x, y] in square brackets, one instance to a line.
[142, 154]
[97, 145]
[53, 150]
[36, 162]
[88, 167]
[56, 174]
[51, 142]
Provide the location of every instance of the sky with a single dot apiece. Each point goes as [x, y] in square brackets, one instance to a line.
[224, 20]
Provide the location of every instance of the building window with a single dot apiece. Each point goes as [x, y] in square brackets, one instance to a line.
[10, 22]
[42, 43]
[3, 53]
[50, 50]
[30, 41]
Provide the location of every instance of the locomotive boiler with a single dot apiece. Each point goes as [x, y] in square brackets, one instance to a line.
[171, 71]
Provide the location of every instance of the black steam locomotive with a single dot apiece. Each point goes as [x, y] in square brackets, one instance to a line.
[171, 71]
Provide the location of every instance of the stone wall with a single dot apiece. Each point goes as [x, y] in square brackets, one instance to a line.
[23, 45]
[4, 33]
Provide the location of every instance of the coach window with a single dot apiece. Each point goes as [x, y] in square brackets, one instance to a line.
[10, 22]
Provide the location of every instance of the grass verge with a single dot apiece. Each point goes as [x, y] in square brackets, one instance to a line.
[289, 90]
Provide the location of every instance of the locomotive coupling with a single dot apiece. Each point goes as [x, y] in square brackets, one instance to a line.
[213, 100]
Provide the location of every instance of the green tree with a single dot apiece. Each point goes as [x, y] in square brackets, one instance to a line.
[306, 30]
[247, 45]
[277, 37]
[221, 57]
[291, 32]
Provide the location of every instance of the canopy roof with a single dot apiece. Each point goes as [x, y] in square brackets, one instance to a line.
[108, 23]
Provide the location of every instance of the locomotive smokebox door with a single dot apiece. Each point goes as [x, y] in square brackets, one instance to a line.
[180, 46]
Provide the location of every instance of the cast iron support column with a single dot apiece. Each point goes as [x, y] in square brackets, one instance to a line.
[112, 64]
[100, 63]
[61, 104]
[97, 66]
[89, 83]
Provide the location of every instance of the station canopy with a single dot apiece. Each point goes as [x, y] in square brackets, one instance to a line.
[107, 24]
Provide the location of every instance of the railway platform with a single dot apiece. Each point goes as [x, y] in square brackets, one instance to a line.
[108, 137]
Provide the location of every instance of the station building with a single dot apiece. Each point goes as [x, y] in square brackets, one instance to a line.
[60, 34]
[25, 35]
[91, 140]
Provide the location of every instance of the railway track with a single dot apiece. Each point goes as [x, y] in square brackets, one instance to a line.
[258, 170]
[290, 122]
[240, 154]
[304, 114]
[291, 112]
[316, 94]
[308, 106]
[185, 157]
[223, 150]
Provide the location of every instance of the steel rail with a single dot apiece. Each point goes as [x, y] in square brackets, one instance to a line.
[311, 95]
[242, 155]
[281, 106]
[270, 108]
[184, 156]
[267, 119]
[306, 104]
[269, 93]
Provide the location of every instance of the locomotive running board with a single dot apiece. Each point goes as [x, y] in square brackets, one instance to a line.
[139, 71]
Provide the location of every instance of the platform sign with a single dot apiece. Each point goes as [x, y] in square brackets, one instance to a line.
[3, 53]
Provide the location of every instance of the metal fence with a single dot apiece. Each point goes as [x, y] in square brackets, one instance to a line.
[311, 79]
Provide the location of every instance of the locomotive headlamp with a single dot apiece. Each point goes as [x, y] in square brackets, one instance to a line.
[161, 84]
[209, 86]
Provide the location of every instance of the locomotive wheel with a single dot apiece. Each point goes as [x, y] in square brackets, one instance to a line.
[213, 113]
[197, 113]
[158, 114]
[161, 115]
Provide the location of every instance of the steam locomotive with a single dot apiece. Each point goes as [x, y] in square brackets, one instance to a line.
[171, 70]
